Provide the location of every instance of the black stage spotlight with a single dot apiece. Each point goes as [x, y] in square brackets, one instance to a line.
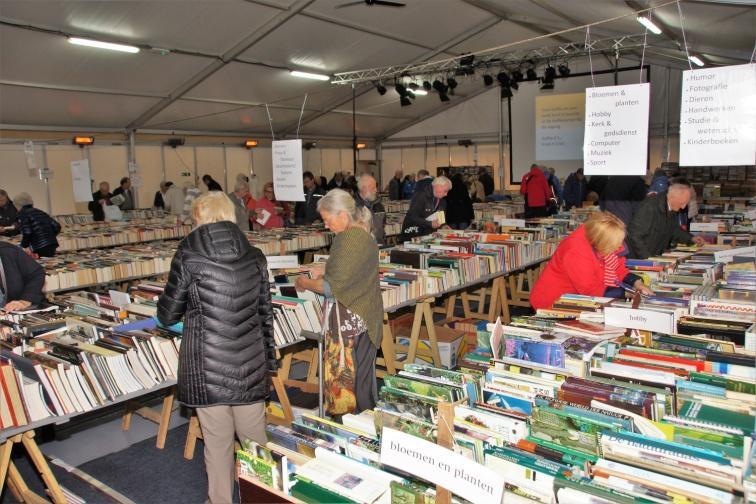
[549, 74]
[564, 70]
[400, 89]
[531, 73]
[439, 86]
[487, 80]
[427, 85]
[467, 61]
[443, 97]
[413, 86]
[451, 82]
[513, 84]
[503, 78]
[517, 76]
[506, 92]
[381, 88]
[411, 94]
[404, 100]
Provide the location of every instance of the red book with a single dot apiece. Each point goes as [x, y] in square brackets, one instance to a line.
[689, 364]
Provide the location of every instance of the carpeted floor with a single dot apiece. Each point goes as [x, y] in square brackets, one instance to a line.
[141, 472]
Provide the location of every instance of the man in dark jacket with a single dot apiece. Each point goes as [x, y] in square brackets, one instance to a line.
[21, 279]
[367, 196]
[306, 212]
[8, 215]
[127, 192]
[219, 283]
[655, 225]
[575, 190]
[395, 186]
[487, 180]
[459, 205]
[38, 229]
[424, 179]
[100, 198]
[428, 201]
[622, 196]
[337, 182]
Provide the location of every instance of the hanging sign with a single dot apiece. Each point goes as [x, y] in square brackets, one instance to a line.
[616, 130]
[718, 116]
[31, 161]
[287, 170]
[429, 461]
[82, 183]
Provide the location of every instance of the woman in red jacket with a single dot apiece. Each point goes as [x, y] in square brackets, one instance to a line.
[586, 262]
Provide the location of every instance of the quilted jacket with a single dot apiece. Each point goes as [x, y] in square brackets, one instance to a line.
[38, 229]
[219, 284]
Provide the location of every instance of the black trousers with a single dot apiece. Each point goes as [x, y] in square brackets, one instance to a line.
[365, 384]
[48, 251]
[536, 212]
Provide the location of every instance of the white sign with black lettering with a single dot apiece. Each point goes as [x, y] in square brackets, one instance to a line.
[287, 170]
[726, 256]
[82, 183]
[704, 226]
[718, 116]
[504, 222]
[458, 474]
[616, 130]
[646, 320]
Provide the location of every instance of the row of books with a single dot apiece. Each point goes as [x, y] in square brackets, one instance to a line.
[138, 216]
[78, 357]
[491, 211]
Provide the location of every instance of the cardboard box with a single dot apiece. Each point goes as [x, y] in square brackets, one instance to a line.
[449, 346]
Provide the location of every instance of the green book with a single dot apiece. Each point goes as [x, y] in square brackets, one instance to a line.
[265, 471]
[310, 492]
[700, 412]
[435, 391]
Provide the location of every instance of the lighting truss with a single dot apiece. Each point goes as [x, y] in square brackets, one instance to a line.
[491, 58]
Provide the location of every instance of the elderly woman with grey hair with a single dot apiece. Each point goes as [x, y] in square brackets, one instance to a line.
[8, 215]
[355, 318]
[38, 230]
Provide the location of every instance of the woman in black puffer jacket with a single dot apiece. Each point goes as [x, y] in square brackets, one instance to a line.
[219, 283]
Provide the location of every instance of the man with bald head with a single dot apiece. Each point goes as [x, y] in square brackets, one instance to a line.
[655, 226]
[367, 196]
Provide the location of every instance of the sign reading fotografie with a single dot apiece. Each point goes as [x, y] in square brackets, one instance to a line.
[616, 130]
[287, 170]
[441, 466]
[718, 116]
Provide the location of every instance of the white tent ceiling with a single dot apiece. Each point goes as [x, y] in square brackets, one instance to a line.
[227, 58]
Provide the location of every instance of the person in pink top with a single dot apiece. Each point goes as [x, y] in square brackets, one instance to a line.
[269, 204]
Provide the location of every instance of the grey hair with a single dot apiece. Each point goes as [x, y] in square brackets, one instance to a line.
[23, 199]
[4, 193]
[338, 200]
[363, 178]
[241, 185]
[442, 180]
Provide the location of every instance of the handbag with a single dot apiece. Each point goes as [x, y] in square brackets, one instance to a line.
[338, 365]
[112, 213]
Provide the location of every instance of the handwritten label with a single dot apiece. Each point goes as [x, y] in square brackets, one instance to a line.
[646, 320]
[616, 130]
[458, 474]
[726, 256]
[287, 170]
[717, 116]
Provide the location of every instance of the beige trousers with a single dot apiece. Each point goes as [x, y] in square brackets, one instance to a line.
[219, 424]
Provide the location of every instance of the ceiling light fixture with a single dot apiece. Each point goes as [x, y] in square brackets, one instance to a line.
[309, 145]
[361, 146]
[420, 92]
[309, 75]
[405, 101]
[249, 144]
[517, 75]
[103, 45]
[531, 73]
[427, 85]
[380, 87]
[442, 90]
[696, 60]
[564, 70]
[487, 80]
[646, 21]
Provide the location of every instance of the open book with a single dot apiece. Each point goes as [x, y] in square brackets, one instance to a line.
[439, 217]
[263, 217]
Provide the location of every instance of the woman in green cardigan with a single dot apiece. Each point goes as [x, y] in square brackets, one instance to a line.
[351, 277]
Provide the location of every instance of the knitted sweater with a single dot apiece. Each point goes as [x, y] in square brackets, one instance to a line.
[352, 273]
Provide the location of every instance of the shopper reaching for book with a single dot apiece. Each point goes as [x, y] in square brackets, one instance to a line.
[219, 284]
[355, 307]
[21, 279]
[586, 262]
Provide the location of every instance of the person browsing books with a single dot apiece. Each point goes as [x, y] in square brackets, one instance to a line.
[270, 213]
[39, 231]
[355, 313]
[655, 224]
[306, 212]
[8, 215]
[586, 263]
[367, 196]
[21, 279]
[427, 201]
[125, 190]
[218, 283]
[100, 198]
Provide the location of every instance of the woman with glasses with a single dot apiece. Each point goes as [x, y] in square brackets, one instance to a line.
[270, 213]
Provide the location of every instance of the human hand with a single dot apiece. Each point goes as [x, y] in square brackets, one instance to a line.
[17, 305]
[300, 283]
[435, 224]
[699, 240]
[641, 287]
